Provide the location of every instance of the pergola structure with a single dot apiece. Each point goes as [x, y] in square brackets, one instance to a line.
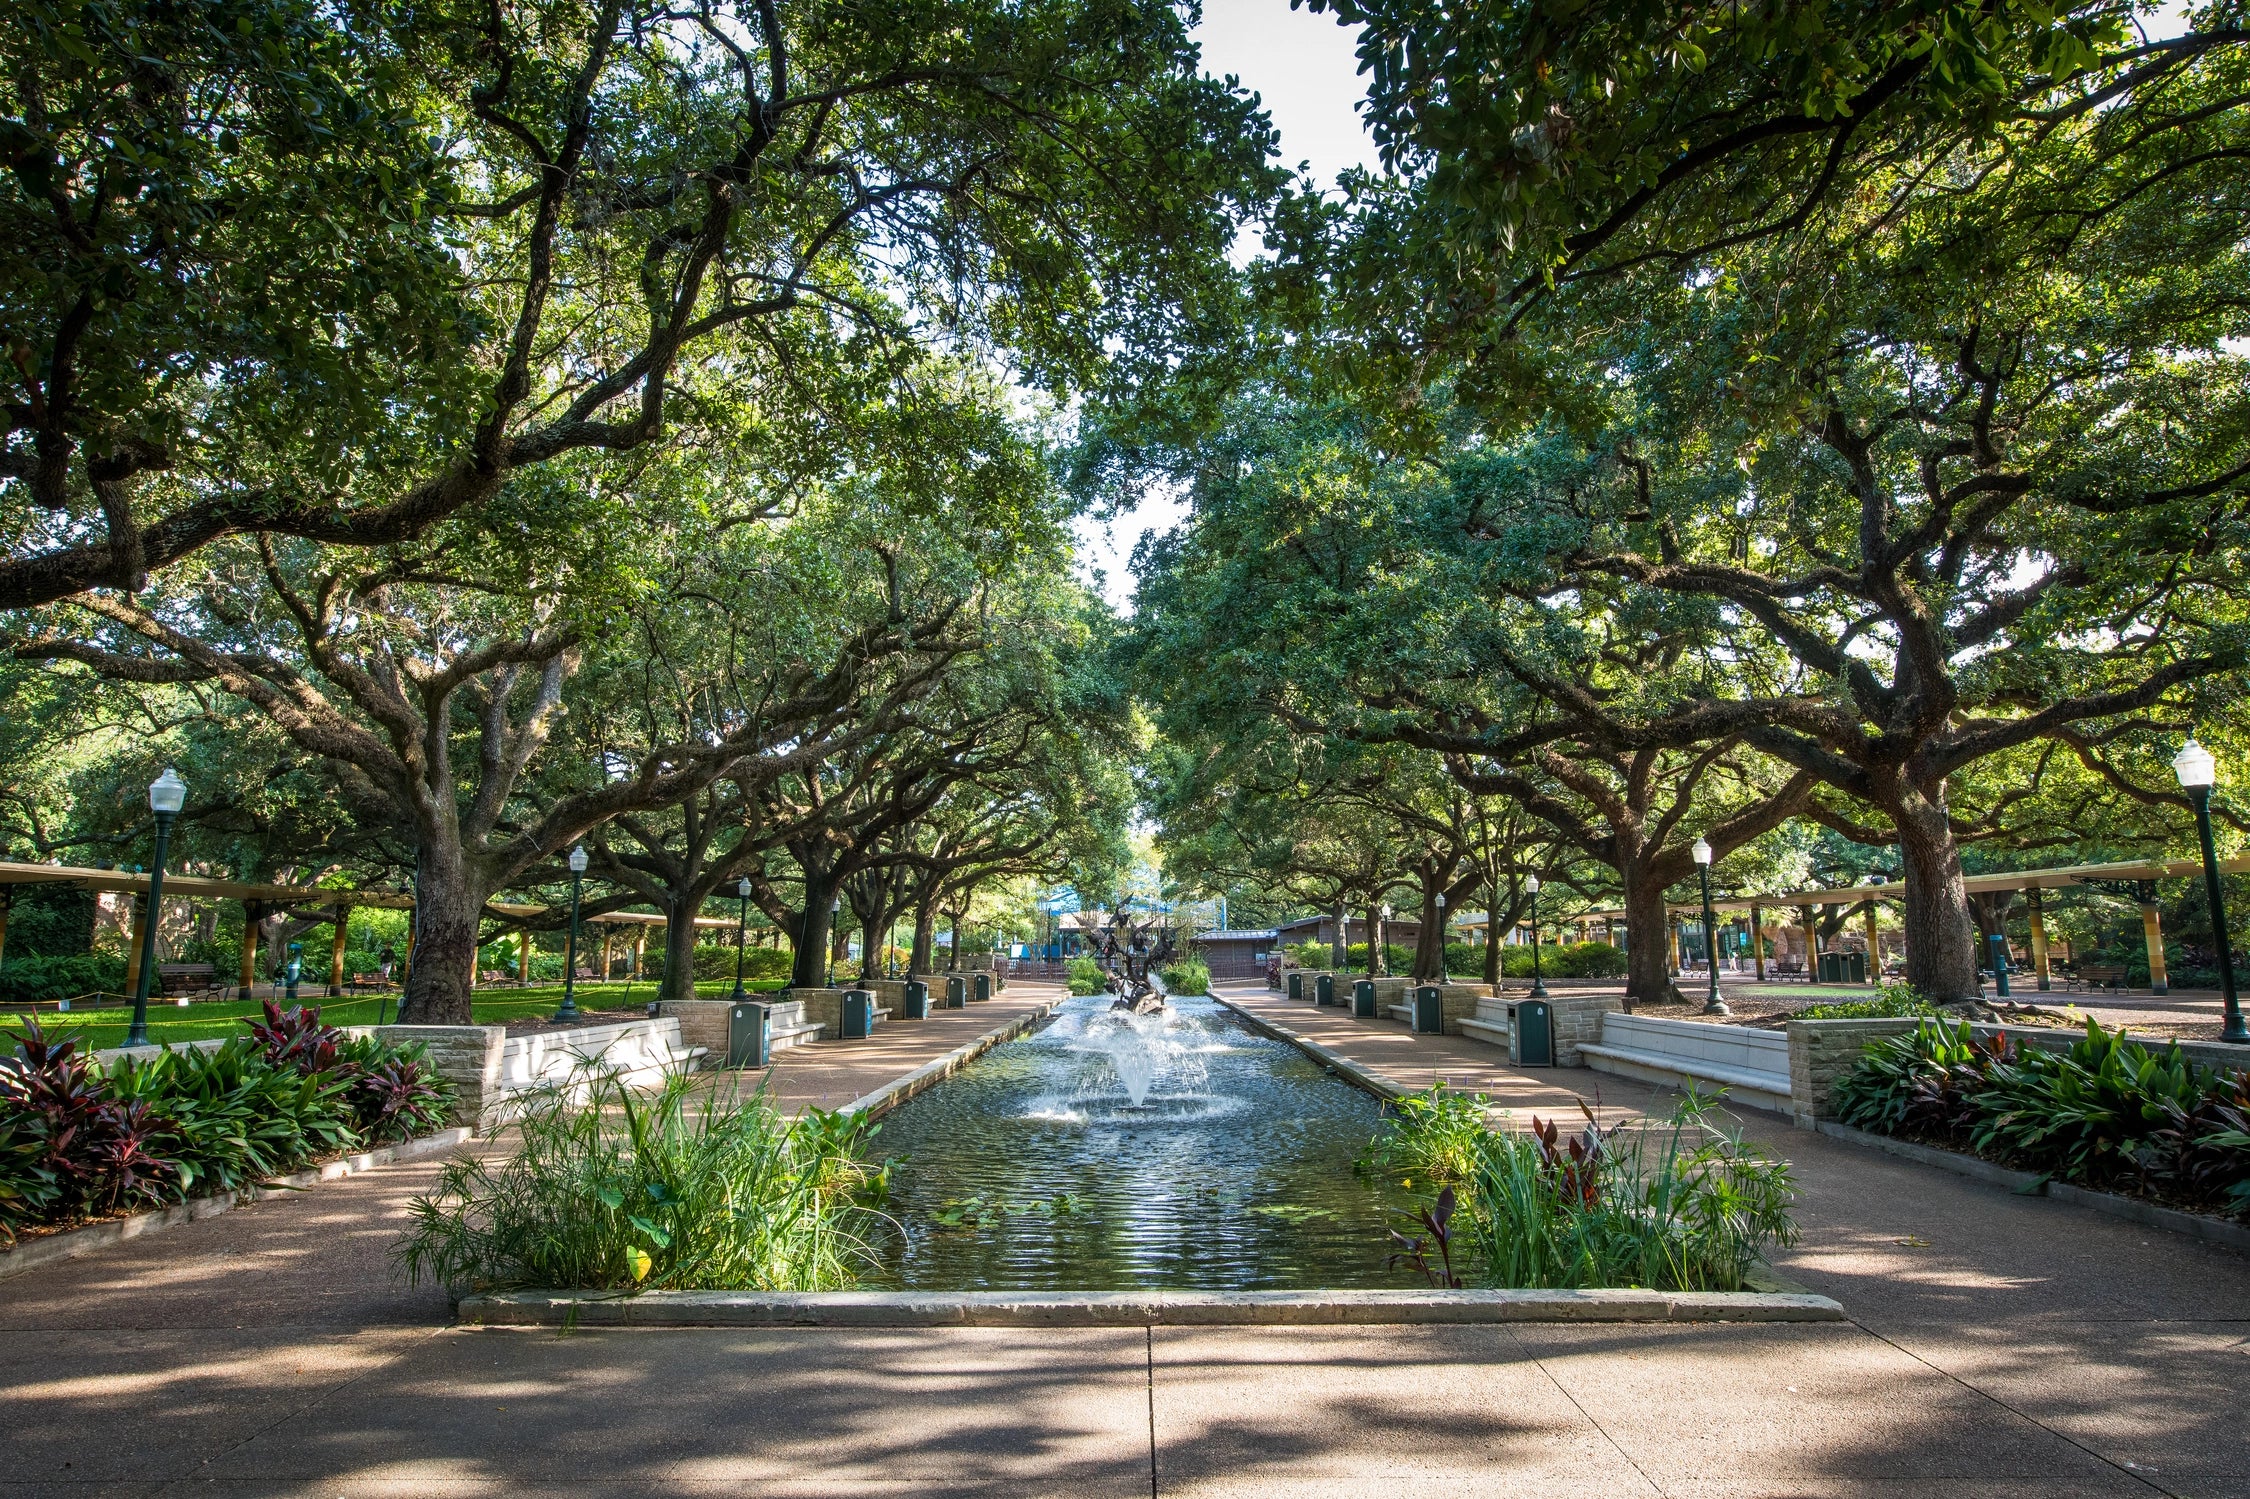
[262, 898]
[2133, 879]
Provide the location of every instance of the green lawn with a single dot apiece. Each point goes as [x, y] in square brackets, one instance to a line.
[202, 1022]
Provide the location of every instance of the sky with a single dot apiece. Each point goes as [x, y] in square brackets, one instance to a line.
[1303, 68]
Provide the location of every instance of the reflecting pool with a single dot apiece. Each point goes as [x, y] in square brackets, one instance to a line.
[1107, 1151]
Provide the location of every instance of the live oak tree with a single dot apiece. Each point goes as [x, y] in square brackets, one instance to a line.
[340, 273]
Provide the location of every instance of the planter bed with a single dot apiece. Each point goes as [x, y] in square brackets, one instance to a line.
[2141, 1210]
[36, 1247]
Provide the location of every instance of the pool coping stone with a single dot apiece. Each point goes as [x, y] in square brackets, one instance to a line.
[897, 1091]
[1354, 1307]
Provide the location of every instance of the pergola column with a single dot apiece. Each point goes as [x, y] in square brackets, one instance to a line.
[1757, 943]
[133, 952]
[1812, 942]
[609, 934]
[1874, 943]
[340, 928]
[253, 917]
[640, 950]
[2038, 936]
[523, 958]
[2152, 929]
[1672, 923]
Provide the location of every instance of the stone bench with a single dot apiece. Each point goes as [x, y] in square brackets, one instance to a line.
[1753, 1065]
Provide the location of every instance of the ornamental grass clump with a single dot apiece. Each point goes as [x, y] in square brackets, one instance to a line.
[2108, 1112]
[1683, 1206]
[609, 1189]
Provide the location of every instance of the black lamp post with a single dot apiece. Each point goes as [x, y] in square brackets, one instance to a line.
[2198, 770]
[741, 935]
[166, 795]
[835, 910]
[1714, 1005]
[1442, 976]
[569, 1010]
[1538, 980]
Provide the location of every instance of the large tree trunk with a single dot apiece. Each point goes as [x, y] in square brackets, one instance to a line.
[1374, 939]
[1648, 973]
[1941, 934]
[810, 971]
[1429, 942]
[679, 953]
[447, 903]
[925, 937]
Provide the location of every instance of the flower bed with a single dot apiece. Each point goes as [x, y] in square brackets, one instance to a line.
[2108, 1113]
[80, 1140]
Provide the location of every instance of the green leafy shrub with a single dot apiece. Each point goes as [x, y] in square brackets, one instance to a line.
[1892, 1001]
[1681, 1207]
[77, 1139]
[716, 964]
[1086, 976]
[1563, 960]
[1186, 976]
[2107, 1112]
[43, 980]
[607, 1189]
[1309, 954]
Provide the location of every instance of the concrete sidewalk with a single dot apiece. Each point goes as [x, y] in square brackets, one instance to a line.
[2002, 1346]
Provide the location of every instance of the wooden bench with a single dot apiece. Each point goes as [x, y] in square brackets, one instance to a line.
[185, 978]
[2100, 976]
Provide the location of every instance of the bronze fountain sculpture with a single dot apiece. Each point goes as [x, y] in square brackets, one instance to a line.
[1129, 959]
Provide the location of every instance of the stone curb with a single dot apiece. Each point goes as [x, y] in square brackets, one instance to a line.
[1336, 1062]
[888, 1097]
[2233, 1236]
[51, 1248]
[1128, 1308]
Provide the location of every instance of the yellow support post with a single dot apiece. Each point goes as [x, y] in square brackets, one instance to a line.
[252, 915]
[1757, 944]
[1874, 947]
[1672, 924]
[2152, 930]
[523, 958]
[342, 926]
[139, 938]
[1812, 942]
[2039, 963]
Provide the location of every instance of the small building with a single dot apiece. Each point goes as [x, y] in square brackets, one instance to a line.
[1399, 931]
[1239, 954]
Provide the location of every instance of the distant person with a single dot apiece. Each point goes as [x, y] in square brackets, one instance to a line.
[389, 960]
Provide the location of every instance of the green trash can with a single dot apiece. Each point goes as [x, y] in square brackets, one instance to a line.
[1324, 989]
[956, 991]
[983, 980]
[1531, 1033]
[1296, 983]
[858, 1020]
[749, 1036]
[1363, 999]
[916, 1005]
[1429, 1010]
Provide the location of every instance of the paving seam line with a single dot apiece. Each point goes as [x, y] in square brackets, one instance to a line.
[53, 1249]
[888, 1097]
[2031, 1184]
